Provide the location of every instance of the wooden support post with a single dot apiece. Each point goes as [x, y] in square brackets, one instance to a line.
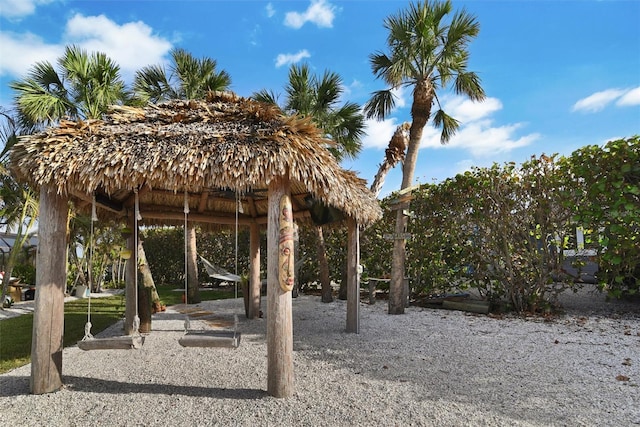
[279, 301]
[396, 286]
[145, 295]
[193, 294]
[51, 281]
[353, 277]
[131, 270]
[144, 309]
[255, 283]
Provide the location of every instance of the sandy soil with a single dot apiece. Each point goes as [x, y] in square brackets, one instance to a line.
[428, 367]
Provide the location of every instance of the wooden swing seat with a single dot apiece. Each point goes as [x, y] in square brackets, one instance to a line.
[129, 342]
[226, 339]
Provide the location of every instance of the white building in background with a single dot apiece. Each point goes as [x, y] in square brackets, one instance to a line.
[8, 239]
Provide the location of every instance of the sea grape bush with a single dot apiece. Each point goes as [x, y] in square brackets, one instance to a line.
[499, 230]
[606, 182]
[503, 229]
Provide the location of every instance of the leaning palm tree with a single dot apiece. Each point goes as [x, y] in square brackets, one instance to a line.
[186, 77]
[319, 98]
[393, 155]
[428, 51]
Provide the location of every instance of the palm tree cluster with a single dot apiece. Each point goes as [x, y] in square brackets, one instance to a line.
[427, 50]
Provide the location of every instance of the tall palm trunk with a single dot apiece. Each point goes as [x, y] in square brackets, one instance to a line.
[394, 153]
[420, 112]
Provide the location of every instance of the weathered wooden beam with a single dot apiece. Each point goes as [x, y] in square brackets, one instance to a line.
[353, 277]
[196, 217]
[203, 201]
[107, 203]
[131, 342]
[279, 301]
[212, 219]
[252, 207]
[481, 307]
[102, 201]
[131, 272]
[51, 281]
[226, 339]
[255, 284]
[130, 200]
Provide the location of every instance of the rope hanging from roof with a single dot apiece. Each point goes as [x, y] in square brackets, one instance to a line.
[230, 339]
[134, 341]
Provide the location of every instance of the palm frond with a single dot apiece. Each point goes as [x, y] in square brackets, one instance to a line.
[267, 96]
[380, 63]
[469, 84]
[151, 84]
[380, 105]
[346, 129]
[328, 91]
[301, 95]
[448, 124]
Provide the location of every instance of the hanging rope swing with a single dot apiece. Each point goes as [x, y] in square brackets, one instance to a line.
[206, 338]
[126, 342]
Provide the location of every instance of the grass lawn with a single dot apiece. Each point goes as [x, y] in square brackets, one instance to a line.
[16, 332]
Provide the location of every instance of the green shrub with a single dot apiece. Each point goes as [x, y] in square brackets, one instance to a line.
[606, 182]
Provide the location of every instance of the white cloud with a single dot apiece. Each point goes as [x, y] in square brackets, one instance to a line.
[597, 101]
[25, 50]
[15, 9]
[132, 45]
[478, 135]
[255, 36]
[270, 10]
[464, 110]
[291, 58]
[379, 133]
[462, 166]
[630, 98]
[319, 12]
[399, 97]
[481, 138]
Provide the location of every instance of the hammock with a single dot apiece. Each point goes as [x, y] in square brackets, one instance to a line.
[218, 272]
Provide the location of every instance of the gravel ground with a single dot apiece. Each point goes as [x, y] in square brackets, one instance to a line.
[428, 367]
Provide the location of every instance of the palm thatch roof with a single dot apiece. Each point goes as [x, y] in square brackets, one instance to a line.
[214, 150]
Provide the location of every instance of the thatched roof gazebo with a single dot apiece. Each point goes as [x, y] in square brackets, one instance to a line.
[202, 157]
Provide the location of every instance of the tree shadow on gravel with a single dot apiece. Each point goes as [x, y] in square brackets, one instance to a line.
[20, 385]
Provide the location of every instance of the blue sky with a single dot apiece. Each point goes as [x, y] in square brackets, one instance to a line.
[558, 74]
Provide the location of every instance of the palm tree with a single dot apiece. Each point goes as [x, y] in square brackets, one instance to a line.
[319, 98]
[187, 77]
[428, 51]
[82, 87]
[18, 203]
[394, 154]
